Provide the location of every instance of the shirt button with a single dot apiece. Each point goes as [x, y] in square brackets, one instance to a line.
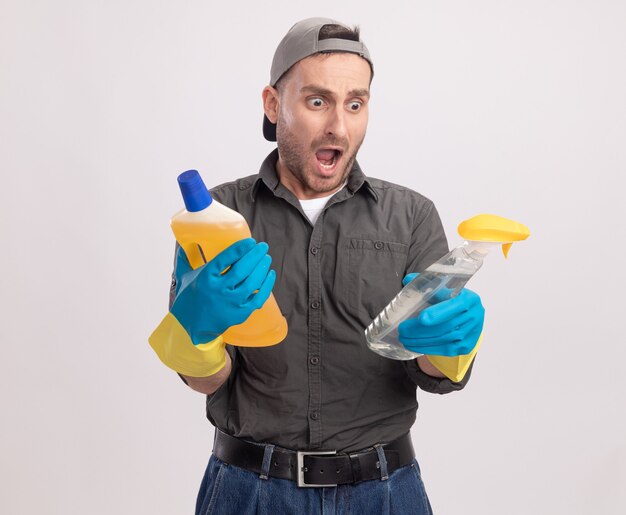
[315, 415]
[378, 245]
[314, 251]
[315, 360]
[315, 304]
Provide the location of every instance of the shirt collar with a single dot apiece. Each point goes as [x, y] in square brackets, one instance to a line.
[268, 176]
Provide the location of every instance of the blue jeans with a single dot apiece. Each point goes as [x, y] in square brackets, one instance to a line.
[229, 490]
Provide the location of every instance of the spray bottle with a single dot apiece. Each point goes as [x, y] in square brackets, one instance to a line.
[203, 230]
[440, 281]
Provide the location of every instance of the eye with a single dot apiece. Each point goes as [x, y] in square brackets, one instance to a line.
[316, 102]
[354, 105]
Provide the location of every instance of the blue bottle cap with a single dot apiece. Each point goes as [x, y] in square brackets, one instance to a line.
[195, 193]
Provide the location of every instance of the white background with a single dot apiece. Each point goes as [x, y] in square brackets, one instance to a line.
[509, 107]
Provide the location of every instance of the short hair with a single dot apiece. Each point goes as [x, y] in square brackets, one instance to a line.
[332, 31]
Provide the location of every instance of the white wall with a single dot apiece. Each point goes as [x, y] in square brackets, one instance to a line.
[515, 108]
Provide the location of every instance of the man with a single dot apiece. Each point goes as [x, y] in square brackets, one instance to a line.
[319, 408]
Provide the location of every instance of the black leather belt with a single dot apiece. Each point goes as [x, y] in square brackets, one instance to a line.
[314, 468]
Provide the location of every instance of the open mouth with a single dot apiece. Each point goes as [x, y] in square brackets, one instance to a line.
[328, 157]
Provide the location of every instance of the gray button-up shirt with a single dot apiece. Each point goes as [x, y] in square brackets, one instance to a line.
[322, 388]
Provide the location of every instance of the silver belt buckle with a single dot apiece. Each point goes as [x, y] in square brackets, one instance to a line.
[300, 461]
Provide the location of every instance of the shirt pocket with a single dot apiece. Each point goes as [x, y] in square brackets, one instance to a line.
[375, 272]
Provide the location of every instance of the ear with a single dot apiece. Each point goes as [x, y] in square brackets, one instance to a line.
[270, 103]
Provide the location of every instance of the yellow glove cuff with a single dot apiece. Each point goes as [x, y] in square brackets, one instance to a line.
[455, 367]
[176, 350]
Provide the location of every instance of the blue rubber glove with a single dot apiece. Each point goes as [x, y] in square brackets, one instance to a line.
[208, 301]
[451, 327]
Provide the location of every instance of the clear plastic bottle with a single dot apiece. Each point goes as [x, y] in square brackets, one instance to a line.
[203, 230]
[442, 280]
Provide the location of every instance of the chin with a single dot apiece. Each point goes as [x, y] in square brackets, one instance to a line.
[326, 185]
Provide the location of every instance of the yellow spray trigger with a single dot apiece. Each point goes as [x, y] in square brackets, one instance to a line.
[495, 229]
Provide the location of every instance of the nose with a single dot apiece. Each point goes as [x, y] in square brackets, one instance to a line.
[336, 122]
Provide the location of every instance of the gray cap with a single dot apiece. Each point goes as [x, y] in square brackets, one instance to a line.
[302, 41]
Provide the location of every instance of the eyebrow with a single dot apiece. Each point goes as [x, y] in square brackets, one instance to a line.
[318, 90]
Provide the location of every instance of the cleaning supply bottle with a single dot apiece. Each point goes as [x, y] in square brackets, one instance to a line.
[203, 230]
[440, 281]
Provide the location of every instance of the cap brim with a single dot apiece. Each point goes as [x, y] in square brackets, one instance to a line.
[269, 129]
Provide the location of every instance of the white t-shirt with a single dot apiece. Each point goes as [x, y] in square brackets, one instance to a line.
[313, 207]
